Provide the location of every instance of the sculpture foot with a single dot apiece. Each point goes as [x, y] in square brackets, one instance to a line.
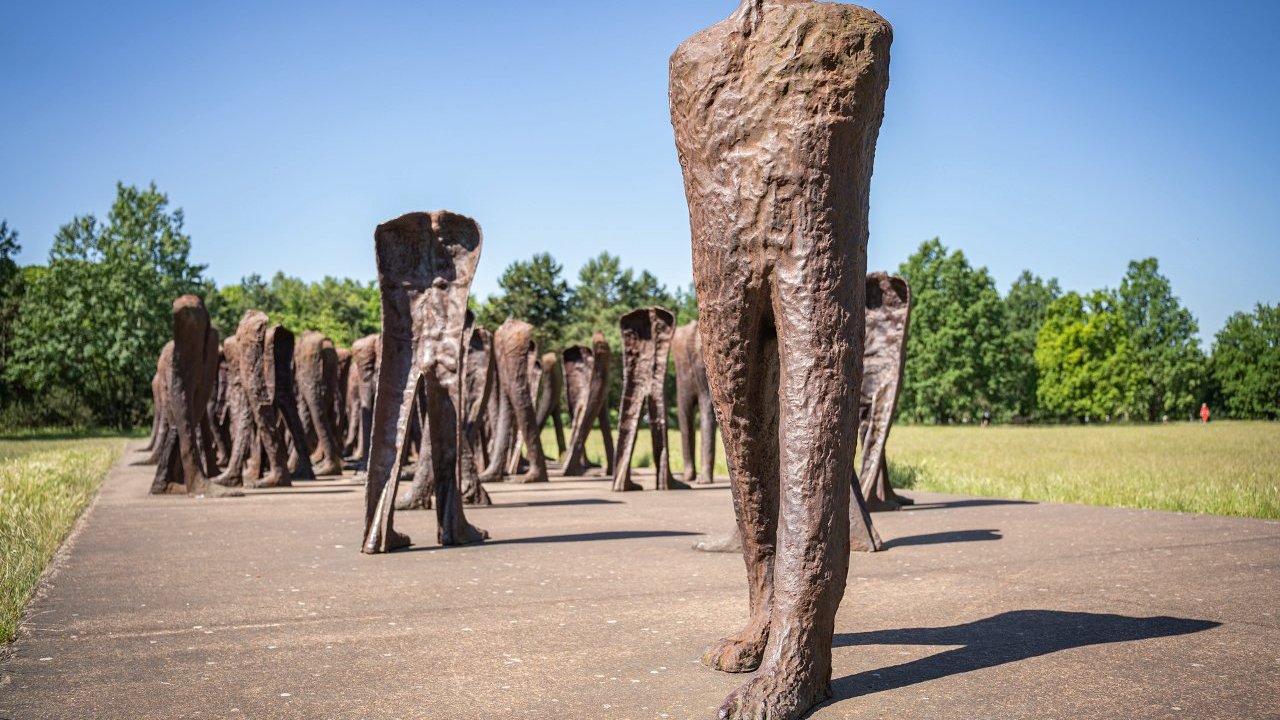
[903, 500]
[530, 477]
[397, 540]
[271, 481]
[776, 694]
[409, 502]
[626, 486]
[227, 481]
[705, 481]
[875, 505]
[468, 534]
[674, 484]
[731, 543]
[213, 490]
[476, 496]
[491, 478]
[738, 653]
[331, 468]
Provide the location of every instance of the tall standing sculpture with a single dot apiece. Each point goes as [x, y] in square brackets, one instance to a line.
[888, 319]
[339, 394]
[549, 399]
[188, 385]
[426, 262]
[693, 393]
[316, 364]
[646, 345]
[516, 354]
[279, 376]
[360, 385]
[586, 372]
[244, 432]
[251, 339]
[776, 111]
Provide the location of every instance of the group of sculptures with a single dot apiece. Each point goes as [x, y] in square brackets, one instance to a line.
[776, 111]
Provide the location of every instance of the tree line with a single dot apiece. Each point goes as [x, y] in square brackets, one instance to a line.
[79, 335]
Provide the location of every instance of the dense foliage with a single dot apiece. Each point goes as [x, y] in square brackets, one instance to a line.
[80, 334]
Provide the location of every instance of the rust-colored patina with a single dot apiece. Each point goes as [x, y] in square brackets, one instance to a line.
[776, 111]
[646, 345]
[192, 370]
[516, 354]
[549, 399]
[426, 262]
[255, 357]
[316, 368]
[279, 376]
[586, 377]
[693, 394]
[888, 320]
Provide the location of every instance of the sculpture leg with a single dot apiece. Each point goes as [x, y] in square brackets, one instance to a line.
[326, 434]
[628, 424]
[875, 488]
[686, 403]
[707, 416]
[277, 456]
[299, 459]
[606, 435]
[442, 424]
[209, 452]
[504, 438]
[576, 463]
[424, 486]
[473, 493]
[658, 435]
[559, 425]
[397, 388]
[862, 533]
[743, 360]
[526, 416]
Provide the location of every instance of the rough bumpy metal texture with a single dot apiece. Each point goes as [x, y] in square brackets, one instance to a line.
[184, 464]
[279, 374]
[426, 262]
[316, 367]
[776, 111]
[516, 354]
[159, 396]
[251, 337]
[888, 319]
[586, 376]
[340, 395]
[364, 368]
[549, 399]
[646, 345]
[693, 394]
[219, 413]
[244, 432]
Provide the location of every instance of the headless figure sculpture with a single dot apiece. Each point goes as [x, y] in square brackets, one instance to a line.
[549, 399]
[316, 366]
[279, 374]
[426, 262]
[364, 367]
[693, 394]
[159, 396]
[776, 111]
[888, 318]
[646, 344]
[586, 371]
[516, 354]
[188, 385]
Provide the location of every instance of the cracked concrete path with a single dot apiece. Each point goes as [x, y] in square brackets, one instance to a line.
[590, 604]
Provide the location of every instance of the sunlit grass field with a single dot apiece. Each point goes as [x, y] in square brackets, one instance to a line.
[45, 483]
[1224, 468]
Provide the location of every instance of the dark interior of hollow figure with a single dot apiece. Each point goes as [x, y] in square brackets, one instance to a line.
[425, 262]
[776, 111]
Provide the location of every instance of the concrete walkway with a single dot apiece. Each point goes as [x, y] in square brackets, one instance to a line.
[589, 604]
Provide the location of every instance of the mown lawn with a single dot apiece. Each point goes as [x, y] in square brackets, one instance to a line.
[1224, 468]
[45, 483]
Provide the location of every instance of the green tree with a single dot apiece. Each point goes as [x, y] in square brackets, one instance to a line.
[11, 291]
[345, 310]
[532, 291]
[1164, 340]
[956, 347]
[94, 321]
[1246, 363]
[1026, 306]
[1086, 362]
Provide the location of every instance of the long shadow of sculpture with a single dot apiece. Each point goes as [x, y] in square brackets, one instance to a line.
[549, 399]
[883, 360]
[186, 462]
[426, 262]
[693, 394]
[586, 380]
[940, 538]
[776, 111]
[998, 640]
[646, 345]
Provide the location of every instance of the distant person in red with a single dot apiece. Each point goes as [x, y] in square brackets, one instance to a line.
[1204, 413]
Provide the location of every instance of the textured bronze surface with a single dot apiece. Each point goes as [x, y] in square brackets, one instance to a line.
[244, 431]
[192, 372]
[646, 345]
[159, 396]
[586, 373]
[316, 367]
[693, 394]
[251, 338]
[776, 111]
[888, 320]
[360, 381]
[279, 376]
[517, 358]
[426, 262]
[339, 394]
[549, 399]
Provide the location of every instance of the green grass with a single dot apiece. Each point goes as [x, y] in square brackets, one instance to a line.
[642, 457]
[45, 483]
[1224, 468]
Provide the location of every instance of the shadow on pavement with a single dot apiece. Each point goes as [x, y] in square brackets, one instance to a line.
[980, 502]
[588, 537]
[939, 538]
[559, 503]
[997, 640]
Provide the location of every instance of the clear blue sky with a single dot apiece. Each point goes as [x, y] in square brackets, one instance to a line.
[1067, 138]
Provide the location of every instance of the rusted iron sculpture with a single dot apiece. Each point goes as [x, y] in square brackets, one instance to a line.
[516, 462]
[646, 345]
[586, 376]
[426, 262]
[549, 398]
[888, 319]
[192, 371]
[360, 386]
[516, 354]
[279, 376]
[776, 111]
[257, 359]
[219, 413]
[693, 394]
[159, 396]
[244, 432]
[316, 367]
[339, 394]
